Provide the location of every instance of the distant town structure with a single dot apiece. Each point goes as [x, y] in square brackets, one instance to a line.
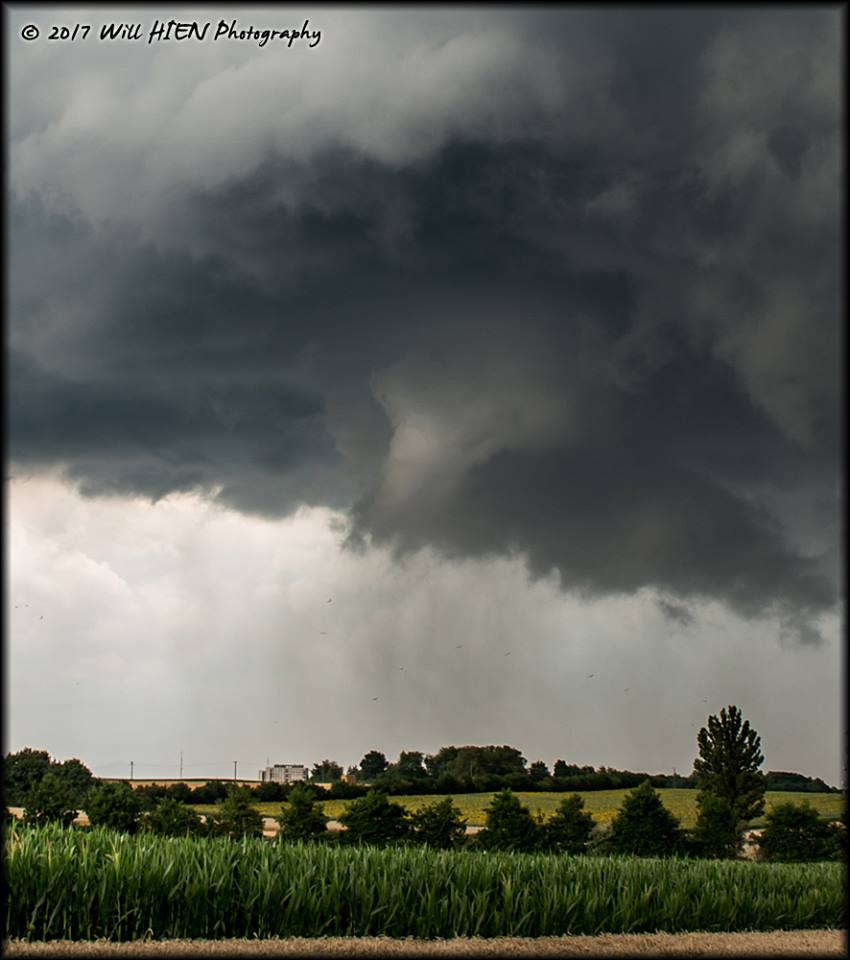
[284, 773]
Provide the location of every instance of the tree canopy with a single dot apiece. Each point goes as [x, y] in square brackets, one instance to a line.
[727, 766]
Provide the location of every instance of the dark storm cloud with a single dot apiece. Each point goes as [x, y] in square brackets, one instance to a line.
[592, 321]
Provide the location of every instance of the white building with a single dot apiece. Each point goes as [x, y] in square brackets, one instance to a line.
[284, 773]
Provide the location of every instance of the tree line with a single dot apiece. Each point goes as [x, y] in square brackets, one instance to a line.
[731, 794]
[477, 769]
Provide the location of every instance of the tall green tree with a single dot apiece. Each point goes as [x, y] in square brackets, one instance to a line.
[728, 765]
[328, 771]
[538, 771]
[22, 771]
[410, 765]
[373, 764]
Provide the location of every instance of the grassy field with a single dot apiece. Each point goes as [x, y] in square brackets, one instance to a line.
[602, 804]
[85, 885]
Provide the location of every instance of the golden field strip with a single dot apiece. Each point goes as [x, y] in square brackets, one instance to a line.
[602, 804]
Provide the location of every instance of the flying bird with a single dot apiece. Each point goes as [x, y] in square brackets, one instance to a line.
[508, 653]
[626, 689]
[589, 676]
[324, 633]
[330, 600]
[459, 646]
[374, 698]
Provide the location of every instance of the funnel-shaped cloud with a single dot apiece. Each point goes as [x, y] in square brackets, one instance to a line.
[562, 284]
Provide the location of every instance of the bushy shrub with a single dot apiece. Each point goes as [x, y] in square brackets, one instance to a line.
[644, 827]
[171, 818]
[374, 820]
[114, 805]
[150, 794]
[569, 829]
[235, 816]
[304, 818]
[51, 799]
[342, 790]
[438, 825]
[795, 833]
[269, 791]
[213, 791]
[510, 826]
[715, 836]
[181, 792]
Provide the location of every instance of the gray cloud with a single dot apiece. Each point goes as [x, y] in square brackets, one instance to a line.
[554, 284]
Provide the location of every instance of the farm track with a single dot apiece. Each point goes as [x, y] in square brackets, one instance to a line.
[779, 943]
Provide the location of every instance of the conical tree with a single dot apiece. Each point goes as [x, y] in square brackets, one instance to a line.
[727, 766]
[644, 827]
[374, 820]
[303, 818]
[568, 831]
[438, 825]
[510, 826]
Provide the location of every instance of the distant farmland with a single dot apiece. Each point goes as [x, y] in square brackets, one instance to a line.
[602, 804]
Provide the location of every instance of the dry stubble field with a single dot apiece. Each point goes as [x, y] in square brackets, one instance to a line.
[782, 943]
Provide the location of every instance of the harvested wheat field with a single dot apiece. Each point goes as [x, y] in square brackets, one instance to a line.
[780, 943]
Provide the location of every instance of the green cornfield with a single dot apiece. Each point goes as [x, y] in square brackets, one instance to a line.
[85, 885]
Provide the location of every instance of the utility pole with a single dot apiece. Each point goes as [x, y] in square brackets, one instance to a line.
[181, 764]
[234, 768]
[131, 769]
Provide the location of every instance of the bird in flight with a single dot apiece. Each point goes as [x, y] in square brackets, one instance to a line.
[705, 701]
[626, 689]
[330, 600]
[589, 676]
[401, 668]
[508, 653]
[374, 698]
[324, 633]
[459, 646]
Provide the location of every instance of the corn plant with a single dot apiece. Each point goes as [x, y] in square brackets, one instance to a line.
[85, 885]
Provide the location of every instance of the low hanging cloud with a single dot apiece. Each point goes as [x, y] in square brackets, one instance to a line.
[560, 284]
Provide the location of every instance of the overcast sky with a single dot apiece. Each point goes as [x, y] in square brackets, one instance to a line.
[447, 361]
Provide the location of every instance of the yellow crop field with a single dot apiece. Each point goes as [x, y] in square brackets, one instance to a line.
[602, 804]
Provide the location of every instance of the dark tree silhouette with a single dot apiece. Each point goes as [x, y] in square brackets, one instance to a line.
[727, 767]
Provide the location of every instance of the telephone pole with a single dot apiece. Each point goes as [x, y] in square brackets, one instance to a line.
[234, 768]
[181, 764]
[131, 769]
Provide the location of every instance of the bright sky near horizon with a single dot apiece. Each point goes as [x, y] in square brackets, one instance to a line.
[374, 394]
